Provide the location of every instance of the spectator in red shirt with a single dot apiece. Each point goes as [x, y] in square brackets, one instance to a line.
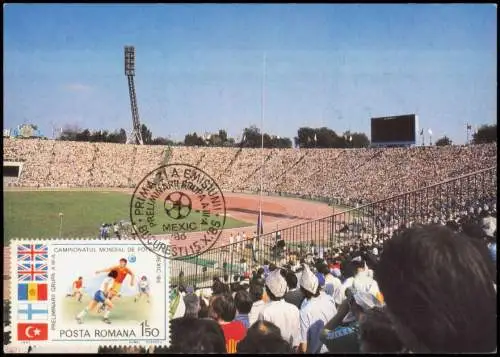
[223, 310]
[264, 337]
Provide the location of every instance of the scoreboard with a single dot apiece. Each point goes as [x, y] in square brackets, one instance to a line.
[394, 130]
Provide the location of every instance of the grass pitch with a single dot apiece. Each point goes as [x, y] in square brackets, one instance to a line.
[124, 310]
[35, 214]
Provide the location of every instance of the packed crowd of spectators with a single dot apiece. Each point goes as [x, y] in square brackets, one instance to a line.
[348, 174]
[430, 288]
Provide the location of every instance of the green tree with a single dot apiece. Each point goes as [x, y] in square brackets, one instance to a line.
[327, 138]
[147, 136]
[122, 135]
[223, 136]
[444, 141]
[194, 140]
[485, 134]
[280, 143]
[251, 137]
[305, 137]
[215, 140]
[69, 132]
[318, 138]
[118, 136]
[83, 135]
[355, 140]
[162, 141]
[230, 142]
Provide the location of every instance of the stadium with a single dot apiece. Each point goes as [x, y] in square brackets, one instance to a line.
[311, 214]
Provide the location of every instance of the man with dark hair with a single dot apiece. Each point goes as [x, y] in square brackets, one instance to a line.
[191, 335]
[377, 334]
[243, 303]
[223, 310]
[234, 288]
[422, 272]
[264, 337]
[294, 295]
[259, 298]
[278, 311]
[218, 287]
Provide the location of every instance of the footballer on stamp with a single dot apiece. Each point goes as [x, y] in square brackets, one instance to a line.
[89, 291]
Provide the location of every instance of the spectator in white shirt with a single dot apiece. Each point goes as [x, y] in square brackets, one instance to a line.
[359, 269]
[316, 310]
[333, 285]
[278, 311]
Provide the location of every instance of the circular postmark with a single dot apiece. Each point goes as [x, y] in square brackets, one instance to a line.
[178, 211]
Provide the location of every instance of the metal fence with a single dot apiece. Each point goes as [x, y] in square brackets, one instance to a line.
[375, 220]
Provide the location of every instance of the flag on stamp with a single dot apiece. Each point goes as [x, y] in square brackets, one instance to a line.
[32, 252]
[32, 332]
[33, 311]
[32, 291]
[34, 271]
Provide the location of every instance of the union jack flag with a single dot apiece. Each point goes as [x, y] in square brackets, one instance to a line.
[32, 271]
[32, 253]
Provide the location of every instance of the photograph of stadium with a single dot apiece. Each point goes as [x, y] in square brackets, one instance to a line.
[353, 147]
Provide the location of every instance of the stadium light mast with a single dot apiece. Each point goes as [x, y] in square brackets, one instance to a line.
[134, 136]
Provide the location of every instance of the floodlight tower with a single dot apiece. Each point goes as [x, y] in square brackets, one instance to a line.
[134, 136]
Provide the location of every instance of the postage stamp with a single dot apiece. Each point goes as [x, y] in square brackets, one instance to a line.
[181, 203]
[80, 291]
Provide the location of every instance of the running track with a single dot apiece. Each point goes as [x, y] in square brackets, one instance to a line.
[284, 212]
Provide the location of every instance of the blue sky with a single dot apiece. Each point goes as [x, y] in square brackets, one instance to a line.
[199, 67]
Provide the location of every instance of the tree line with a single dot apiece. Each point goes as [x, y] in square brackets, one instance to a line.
[483, 135]
[252, 138]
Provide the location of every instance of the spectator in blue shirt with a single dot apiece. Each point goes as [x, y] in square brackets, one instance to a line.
[244, 303]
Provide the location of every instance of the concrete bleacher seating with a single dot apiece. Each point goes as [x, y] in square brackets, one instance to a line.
[350, 174]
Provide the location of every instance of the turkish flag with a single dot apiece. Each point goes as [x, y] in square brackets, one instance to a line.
[32, 332]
